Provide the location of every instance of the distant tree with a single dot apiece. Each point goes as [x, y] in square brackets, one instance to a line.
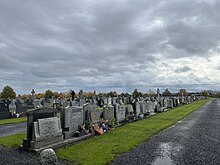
[8, 92]
[112, 94]
[39, 95]
[56, 94]
[166, 92]
[89, 94]
[136, 94]
[26, 96]
[182, 92]
[48, 94]
[204, 93]
[150, 93]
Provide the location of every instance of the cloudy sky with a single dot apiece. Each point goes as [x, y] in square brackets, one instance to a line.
[108, 45]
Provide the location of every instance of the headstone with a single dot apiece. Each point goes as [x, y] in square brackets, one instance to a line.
[32, 117]
[109, 101]
[143, 107]
[81, 94]
[137, 109]
[4, 109]
[108, 113]
[120, 111]
[114, 101]
[130, 109]
[46, 131]
[105, 100]
[71, 118]
[92, 115]
[37, 103]
[150, 107]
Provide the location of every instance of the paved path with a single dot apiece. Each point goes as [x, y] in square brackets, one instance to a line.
[10, 129]
[194, 140]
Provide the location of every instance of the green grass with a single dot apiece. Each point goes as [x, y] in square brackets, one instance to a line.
[13, 120]
[100, 108]
[103, 149]
[12, 140]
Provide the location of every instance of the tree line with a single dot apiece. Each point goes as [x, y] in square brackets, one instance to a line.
[9, 93]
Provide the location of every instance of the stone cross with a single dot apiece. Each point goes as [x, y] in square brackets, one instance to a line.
[33, 92]
[81, 94]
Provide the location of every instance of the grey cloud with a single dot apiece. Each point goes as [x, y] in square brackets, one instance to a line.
[183, 69]
[104, 45]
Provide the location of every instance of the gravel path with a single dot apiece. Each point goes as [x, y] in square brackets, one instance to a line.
[10, 129]
[194, 140]
[12, 156]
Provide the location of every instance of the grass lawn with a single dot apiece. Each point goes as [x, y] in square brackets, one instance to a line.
[12, 140]
[103, 149]
[13, 120]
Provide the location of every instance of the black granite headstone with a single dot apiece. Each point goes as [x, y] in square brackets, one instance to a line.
[32, 116]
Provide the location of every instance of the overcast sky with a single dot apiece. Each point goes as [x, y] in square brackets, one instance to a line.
[108, 45]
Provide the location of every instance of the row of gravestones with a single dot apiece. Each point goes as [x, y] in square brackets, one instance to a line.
[23, 106]
[44, 128]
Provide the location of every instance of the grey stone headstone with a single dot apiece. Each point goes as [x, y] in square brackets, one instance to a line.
[108, 113]
[137, 109]
[120, 112]
[92, 115]
[71, 118]
[150, 107]
[130, 109]
[45, 132]
[143, 106]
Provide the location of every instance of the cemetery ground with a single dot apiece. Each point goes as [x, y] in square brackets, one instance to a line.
[103, 149]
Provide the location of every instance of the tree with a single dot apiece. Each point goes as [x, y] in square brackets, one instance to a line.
[204, 93]
[8, 93]
[150, 93]
[136, 94]
[56, 94]
[48, 94]
[182, 92]
[166, 92]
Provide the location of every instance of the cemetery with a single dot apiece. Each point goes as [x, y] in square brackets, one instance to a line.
[56, 123]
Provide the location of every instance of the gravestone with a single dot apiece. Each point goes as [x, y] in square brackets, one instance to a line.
[46, 131]
[92, 115]
[150, 107]
[12, 106]
[108, 113]
[130, 109]
[114, 101]
[4, 109]
[137, 109]
[37, 103]
[71, 118]
[143, 107]
[105, 100]
[32, 117]
[109, 101]
[120, 112]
